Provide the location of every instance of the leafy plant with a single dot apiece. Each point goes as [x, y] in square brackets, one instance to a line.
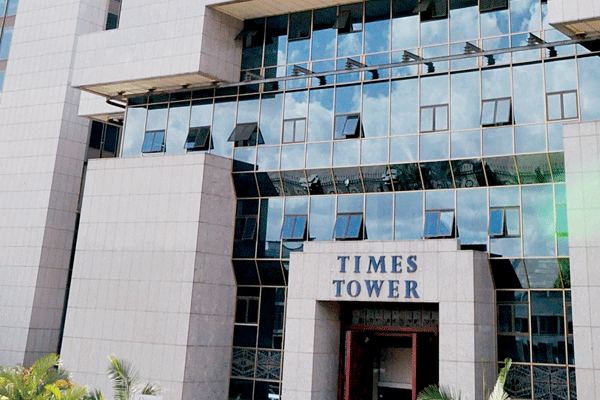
[434, 392]
[125, 380]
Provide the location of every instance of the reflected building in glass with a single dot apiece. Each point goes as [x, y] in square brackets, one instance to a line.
[342, 200]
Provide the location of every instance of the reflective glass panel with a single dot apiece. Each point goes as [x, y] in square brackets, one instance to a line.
[495, 83]
[177, 128]
[406, 177]
[404, 148]
[465, 99]
[134, 131]
[354, 226]
[510, 274]
[323, 36]
[434, 90]
[494, 23]
[464, 20]
[379, 216]
[318, 155]
[5, 42]
[497, 222]
[320, 111]
[346, 152]
[501, 171]
[405, 24]
[471, 216]
[589, 87]
[322, 214]
[530, 138]
[538, 230]
[348, 180]
[270, 117]
[468, 173]
[377, 26]
[435, 146]
[276, 40]
[347, 99]
[465, 144]
[497, 141]
[533, 168]
[374, 151]
[377, 179]
[269, 183]
[404, 107]
[292, 156]
[409, 215]
[376, 105]
[528, 93]
[223, 125]
[560, 75]
[350, 41]
[431, 224]
[525, 15]
[437, 175]
[543, 273]
[434, 32]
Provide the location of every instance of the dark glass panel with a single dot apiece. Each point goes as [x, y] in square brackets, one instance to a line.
[518, 382]
[95, 142]
[270, 273]
[269, 183]
[550, 382]
[557, 163]
[245, 185]
[271, 318]
[437, 175]
[348, 180]
[405, 177]
[269, 368]
[543, 273]
[271, 214]
[377, 179]
[319, 181]
[294, 183]
[514, 347]
[547, 327]
[252, 43]
[276, 40]
[241, 389]
[501, 171]
[509, 274]
[468, 173]
[534, 168]
[244, 336]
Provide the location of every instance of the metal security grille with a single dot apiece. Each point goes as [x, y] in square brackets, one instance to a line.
[421, 316]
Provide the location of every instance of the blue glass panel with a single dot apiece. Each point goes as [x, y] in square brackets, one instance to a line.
[409, 215]
[340, 226]
[148, 140]
[497, 222]
[446, 223]
[589, 87]
[288, 227]
[157, 144]
[379, 217]
[299, 227]
[538, 229]
[354, 226]
[322, 213]
[5, 43]
[431, 224]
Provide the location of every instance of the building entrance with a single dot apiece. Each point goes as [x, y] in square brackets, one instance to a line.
[383, 362]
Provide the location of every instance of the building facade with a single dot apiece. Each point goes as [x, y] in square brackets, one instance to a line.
[327, 200]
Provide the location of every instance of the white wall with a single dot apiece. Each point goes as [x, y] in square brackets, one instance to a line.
[459, 281]
[582, 176]
[161, 38]
[44, 144]
[152, 281]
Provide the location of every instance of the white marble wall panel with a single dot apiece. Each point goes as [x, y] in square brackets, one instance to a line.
[582, 176]
[161, 38]
[459, 281]
[152, 280]
[44, 144]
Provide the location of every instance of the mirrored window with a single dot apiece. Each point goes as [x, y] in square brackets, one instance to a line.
[562, 105]
[348, 226]
[434, 118]
[377, 26]
[323, 36]
[294, 227]
[496, 112]
[439, 223]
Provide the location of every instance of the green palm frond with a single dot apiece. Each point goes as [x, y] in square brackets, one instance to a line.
[124, 378]
[433, 392]
[94, 394]
[150, 389]
[498, 393]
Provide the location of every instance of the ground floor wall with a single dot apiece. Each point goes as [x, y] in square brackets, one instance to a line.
[582, 175]
[152, 278]
[327, 274]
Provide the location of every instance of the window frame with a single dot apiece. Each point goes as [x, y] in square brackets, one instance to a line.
[294, 218]
[437, 234]
[496, 121]
[504, 233]
[208, 142]
[241, 138]
[152, 150]
[434, 108]
[294, 120]
[561, 95]
[358, 130]
[348, 218]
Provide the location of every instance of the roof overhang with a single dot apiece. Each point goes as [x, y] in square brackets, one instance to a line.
[248, 9]
[588, 28]
[121, 90]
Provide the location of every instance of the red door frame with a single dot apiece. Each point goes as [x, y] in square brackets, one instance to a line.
[381, 331]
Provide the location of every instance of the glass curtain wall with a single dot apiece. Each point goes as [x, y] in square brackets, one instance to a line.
[469, 148]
